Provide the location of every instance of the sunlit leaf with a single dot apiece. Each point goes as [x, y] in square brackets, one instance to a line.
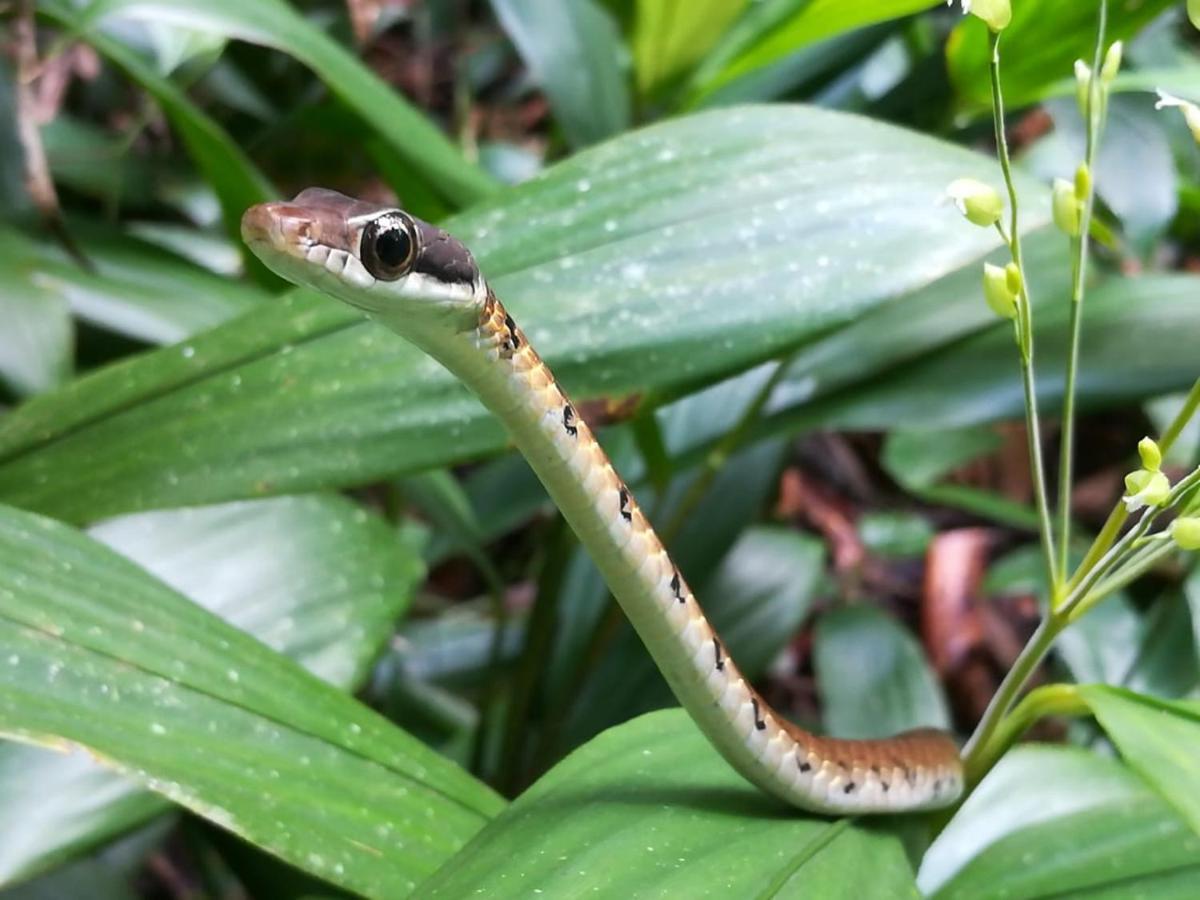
[653, 791]
[101, 655]
[664, 258]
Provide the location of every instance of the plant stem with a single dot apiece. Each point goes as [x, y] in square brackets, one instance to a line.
[1024, 326]
[979, 752]
[1094, 114]
[1116, 519]
[1047, 700]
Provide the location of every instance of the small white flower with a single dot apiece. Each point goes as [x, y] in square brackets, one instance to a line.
[1191, 112]
[979, 202]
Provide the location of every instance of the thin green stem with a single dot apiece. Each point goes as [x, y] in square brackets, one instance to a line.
[979, 751]
[1047, 700]
[1094, 114]
[1117, 518]
[1024, 326]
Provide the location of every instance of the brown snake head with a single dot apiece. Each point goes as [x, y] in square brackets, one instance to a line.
[377, 258]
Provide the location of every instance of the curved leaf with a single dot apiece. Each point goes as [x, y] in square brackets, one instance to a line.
[273, 23]
[1039, 47]
[97, 653]
[650, 809]
[1051, 821]
[873, 677]
[573, 51]
[661, 259]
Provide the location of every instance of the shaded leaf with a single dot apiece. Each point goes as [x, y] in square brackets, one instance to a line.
[649, 808]
[273, 23]
[1051, 821]
[873, 678]
[1159, 739]
[573, 52]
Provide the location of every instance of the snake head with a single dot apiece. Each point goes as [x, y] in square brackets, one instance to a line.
[376, 258]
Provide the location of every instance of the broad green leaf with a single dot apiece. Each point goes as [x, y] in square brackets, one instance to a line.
[920, 459]
[659, 260]
[134, 289]
[670, 35]
[1060, 821]
[573, 52]
[273, 23]
[1159, 739]
[873, 678]
[226, 168]
[1038, 49]
[316, 578]
[101, 655]
[787, 26]
[650, 809]
[895, 535]
[1136, 344]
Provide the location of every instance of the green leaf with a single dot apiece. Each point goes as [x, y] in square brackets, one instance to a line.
[670, 35]
[1159, 739]
[135, 289]
[37, 342]
[226, 168]
[1060, 821]
[611, 262]
[649, 808]
[272, 23]
[1136, 343]
[99, 654]
[920, 459]
[316, 578]
[573, 52]
[1038, 48]
[873, 678]
[785, 27]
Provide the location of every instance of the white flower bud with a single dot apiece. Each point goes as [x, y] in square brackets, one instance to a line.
[1145, 488]
[1191, 112]
[980, 203]
[997, 291]
[1112, 63]
[1066, 207]
[1185, 530]
[1083, 82]
[1150, 454]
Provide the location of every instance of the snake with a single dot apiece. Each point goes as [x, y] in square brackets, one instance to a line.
[423, 284]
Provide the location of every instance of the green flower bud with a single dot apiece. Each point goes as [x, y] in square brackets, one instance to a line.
[1145, 488]
[1067, 211]
[1112, 63]
[1083, 182]
[1150, 454]
[1083, 82]
[1013, 276]
[1000, 297]
[1185, 531]
[980, 203]
[996, 13]
[1191, 112]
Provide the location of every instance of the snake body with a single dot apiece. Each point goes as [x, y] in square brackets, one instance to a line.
[424, 285]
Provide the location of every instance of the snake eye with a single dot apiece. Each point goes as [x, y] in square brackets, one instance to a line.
[388, 246]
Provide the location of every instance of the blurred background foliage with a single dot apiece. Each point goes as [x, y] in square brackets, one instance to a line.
[758, 294]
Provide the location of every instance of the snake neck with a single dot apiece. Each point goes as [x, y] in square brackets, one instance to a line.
[915, 770]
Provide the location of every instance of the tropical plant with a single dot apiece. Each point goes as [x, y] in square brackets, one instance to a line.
[281, 613]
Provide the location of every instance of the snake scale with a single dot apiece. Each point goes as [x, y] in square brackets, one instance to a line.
[423, 284]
